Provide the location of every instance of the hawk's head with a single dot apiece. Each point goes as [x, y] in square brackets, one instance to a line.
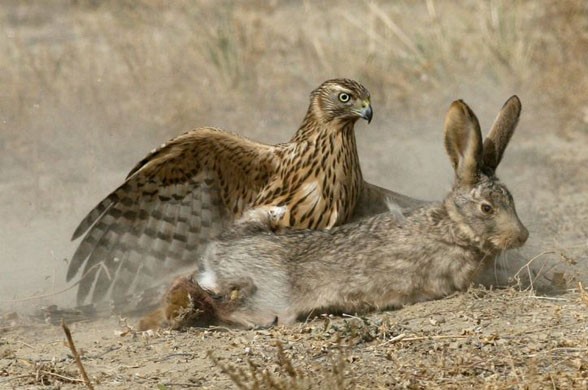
[342, 99]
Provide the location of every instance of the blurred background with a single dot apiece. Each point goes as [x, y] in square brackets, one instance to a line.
[89, 87]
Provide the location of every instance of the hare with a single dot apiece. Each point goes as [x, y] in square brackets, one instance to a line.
[381, 262]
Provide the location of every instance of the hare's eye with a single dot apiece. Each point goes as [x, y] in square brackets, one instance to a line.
[344, 97]
[486, 208]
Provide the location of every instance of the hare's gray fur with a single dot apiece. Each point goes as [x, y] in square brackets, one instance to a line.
[384, 261]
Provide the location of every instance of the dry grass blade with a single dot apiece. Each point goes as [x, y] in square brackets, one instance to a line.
[583, 293]
[285, 362]
[76, 355]
[527, 267]
[62, 377]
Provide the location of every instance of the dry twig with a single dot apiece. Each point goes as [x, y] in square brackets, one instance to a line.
[76, 355]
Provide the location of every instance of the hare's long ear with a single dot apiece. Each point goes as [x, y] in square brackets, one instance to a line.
[463, 142]
[501, 131]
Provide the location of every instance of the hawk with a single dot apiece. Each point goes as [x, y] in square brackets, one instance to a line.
[182, 194]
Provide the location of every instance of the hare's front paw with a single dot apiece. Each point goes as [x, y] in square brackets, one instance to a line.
[268, 217]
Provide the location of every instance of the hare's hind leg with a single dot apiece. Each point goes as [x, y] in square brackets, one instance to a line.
[242, 303]
[235, 304]
[250, 319]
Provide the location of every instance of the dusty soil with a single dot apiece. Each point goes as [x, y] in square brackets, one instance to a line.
[478, 339]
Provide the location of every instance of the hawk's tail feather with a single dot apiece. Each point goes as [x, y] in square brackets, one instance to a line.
[99, 242]
[104, 270]
[96, 213]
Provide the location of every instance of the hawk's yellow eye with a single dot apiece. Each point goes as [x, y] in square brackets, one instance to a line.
[344, 97]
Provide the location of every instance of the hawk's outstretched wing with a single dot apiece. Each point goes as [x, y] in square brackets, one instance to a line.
[172, 202]
[180, 196]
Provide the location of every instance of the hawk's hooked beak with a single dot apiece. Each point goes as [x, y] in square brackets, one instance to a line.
[366, 111]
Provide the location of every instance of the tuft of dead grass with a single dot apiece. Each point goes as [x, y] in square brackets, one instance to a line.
[283, 374]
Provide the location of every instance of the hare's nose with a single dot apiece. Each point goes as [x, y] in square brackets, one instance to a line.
[523, 236]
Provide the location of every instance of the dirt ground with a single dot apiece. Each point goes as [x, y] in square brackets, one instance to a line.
[89, 87]
[479, 339]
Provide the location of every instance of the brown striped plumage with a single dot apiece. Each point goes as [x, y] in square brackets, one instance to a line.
[320, 164]
[183, 193]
